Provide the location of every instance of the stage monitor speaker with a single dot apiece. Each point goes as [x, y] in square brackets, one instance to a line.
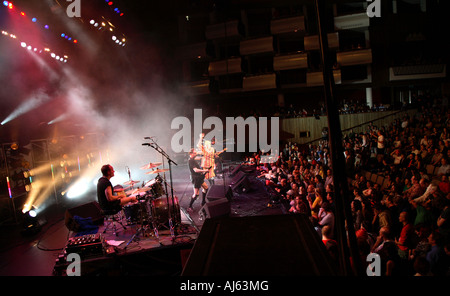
[216, 192]
[237, 178]
[235, 170]
[241, 185]
[89, 210]
[217, 208]
[273, 245]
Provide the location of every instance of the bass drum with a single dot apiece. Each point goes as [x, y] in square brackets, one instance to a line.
[160, 210]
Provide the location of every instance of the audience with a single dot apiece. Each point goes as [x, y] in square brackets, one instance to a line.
[408, 211]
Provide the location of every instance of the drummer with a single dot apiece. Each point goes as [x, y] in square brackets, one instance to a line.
[108, 201]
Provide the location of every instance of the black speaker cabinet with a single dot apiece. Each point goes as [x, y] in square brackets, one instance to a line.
[274, 245]
[89, 210]
[240, 183]
[218, 208]
[219, 191]
[235, 170]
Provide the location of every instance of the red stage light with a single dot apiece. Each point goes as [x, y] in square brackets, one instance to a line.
[121, 14]
[110, 3]
[22, 13]
[10, 6]
[75, 41]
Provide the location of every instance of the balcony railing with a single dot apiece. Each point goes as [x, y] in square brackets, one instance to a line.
[354, 57]
[291, 61]
[351, 21]
[255, 46]
[287, 25]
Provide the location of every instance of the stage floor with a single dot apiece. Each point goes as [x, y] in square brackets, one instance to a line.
[37, 255]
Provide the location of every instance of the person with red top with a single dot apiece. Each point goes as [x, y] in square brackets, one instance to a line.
[405, 242]
[444, 184]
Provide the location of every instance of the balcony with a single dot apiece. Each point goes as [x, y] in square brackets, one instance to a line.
[287, 25]
[290, 62]
[225, 67]
[259, 82]
[417, 72]
[316, 78]
[312, 42]
[227, 30]
[256, 46]
[197, 87]
[351, 21]
[355, 57]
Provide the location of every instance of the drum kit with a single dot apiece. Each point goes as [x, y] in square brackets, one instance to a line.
[153, 208]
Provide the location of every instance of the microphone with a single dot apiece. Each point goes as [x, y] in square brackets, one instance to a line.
[129, 175]
[148, 138]
[146, 144]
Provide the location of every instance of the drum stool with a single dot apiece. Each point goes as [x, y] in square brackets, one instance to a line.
[112, 218]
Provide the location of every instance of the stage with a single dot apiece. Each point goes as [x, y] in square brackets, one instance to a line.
[130, 252]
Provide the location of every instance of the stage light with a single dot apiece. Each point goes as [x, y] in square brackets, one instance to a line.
[31, 224]
[22, 13]
[46, 27]
[92, 22]
[10, 6]
[32, 213]
[110, 3]
[5, 3]
[121, 14]
[63, 35]
[53, 55]
[23, 44]
[114, 38]
[75, 41]
[34, 20]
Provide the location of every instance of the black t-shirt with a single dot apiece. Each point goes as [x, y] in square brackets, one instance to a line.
[102, 184]
[194, 164]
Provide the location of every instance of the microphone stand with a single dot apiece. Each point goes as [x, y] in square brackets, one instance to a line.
[155, 146]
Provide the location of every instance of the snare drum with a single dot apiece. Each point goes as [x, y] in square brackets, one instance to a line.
[160, 210]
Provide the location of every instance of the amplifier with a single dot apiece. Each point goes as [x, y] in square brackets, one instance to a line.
[86, 246]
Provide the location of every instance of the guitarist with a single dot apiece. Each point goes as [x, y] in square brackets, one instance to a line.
[208, 159]
[197, 178]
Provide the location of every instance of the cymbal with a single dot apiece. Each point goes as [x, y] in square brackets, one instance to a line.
[131, 182]
[151, 166]
[157, 171]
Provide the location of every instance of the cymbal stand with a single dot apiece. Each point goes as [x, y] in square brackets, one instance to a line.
[142, 229]
[155, 146]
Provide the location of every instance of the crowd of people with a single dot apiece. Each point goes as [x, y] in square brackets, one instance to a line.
[406, 221]
[346, 107]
